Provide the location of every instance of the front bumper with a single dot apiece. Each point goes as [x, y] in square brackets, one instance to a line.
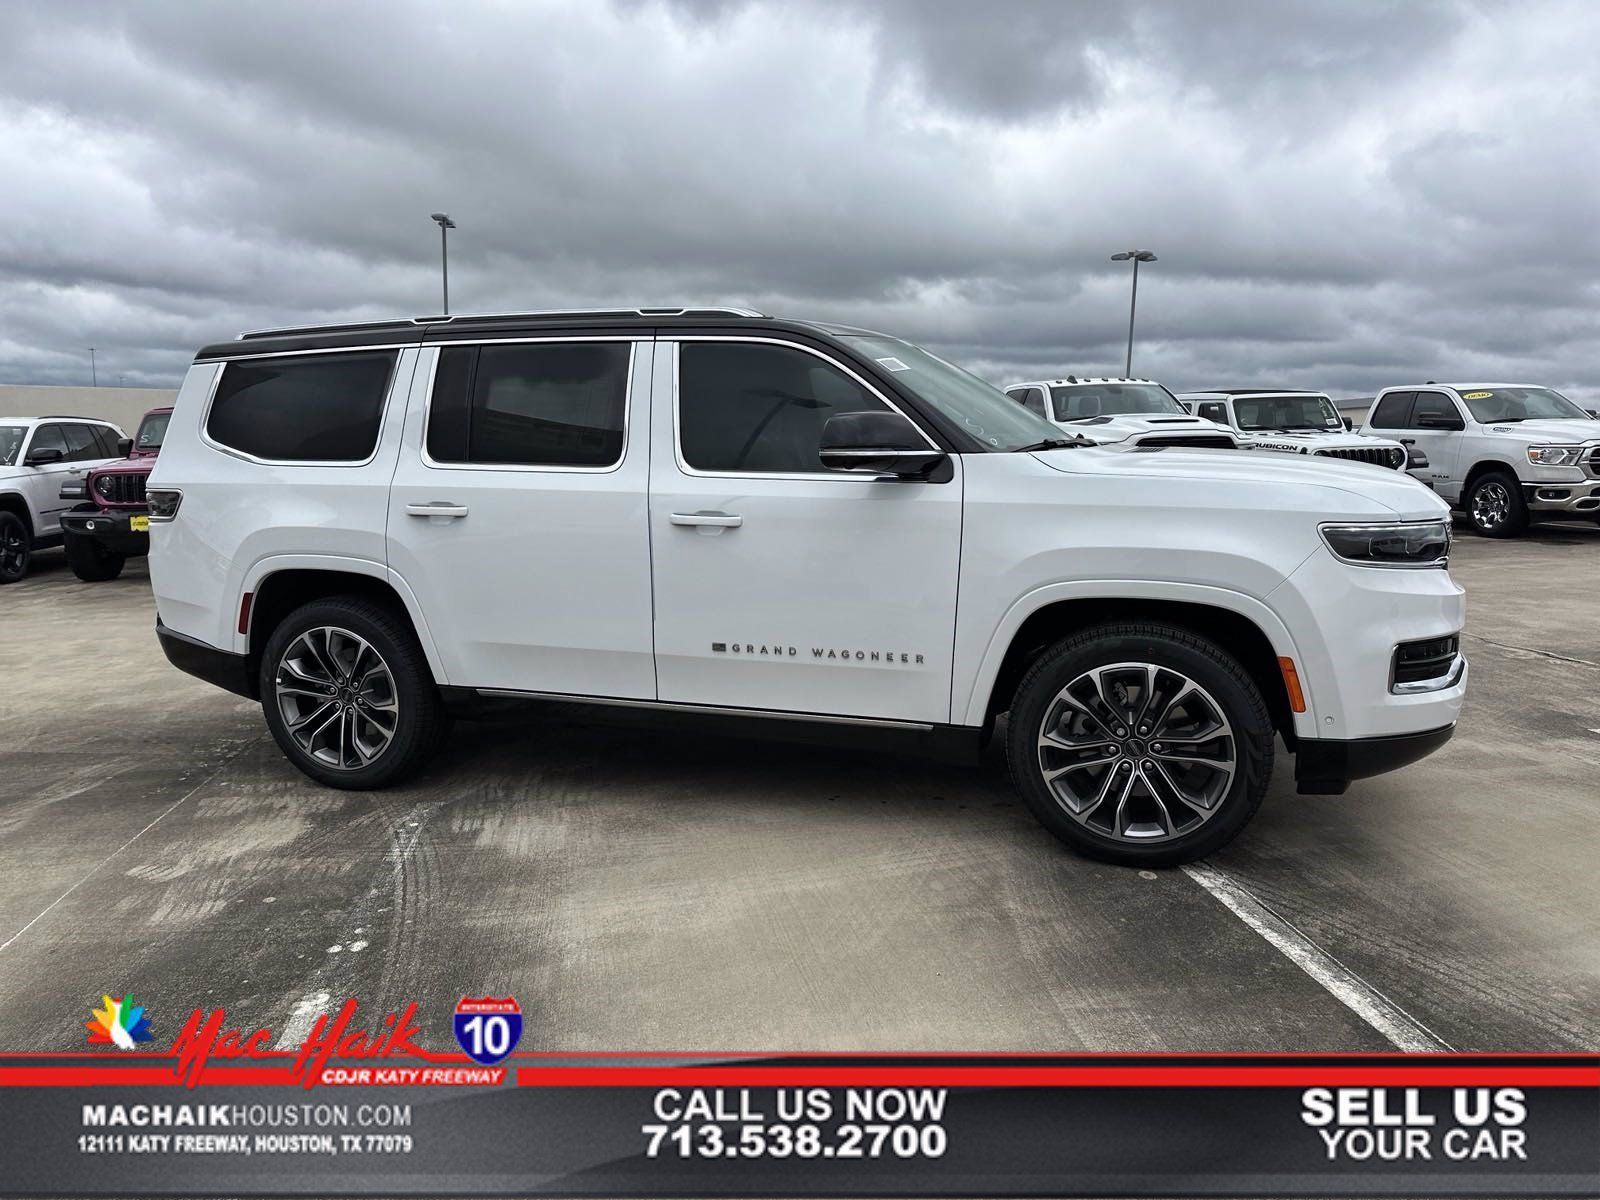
[1326, 767]
[112, 530]
[1580, 497]
[228, 671]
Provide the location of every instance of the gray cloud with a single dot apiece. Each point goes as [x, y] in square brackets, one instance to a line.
[1342, 196]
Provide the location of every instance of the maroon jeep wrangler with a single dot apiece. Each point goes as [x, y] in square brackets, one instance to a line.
[112, 524]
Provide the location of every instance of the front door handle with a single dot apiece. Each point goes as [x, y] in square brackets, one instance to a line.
[442, 509]
[717, 520]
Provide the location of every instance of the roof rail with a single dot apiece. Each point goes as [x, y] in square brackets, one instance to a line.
[407, 322]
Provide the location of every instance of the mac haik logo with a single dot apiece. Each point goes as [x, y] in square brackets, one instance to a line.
[121, 1023]
[488, 1029]
[206, 1037]
[822, 654]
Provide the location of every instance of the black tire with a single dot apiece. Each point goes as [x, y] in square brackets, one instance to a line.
[1163, 655]
[90, 561]
[1494, 505]
[16, 547]
[419, 723]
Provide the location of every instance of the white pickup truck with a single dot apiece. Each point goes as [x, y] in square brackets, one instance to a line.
[1122, 413]
[1293, 422]
[1504, 453]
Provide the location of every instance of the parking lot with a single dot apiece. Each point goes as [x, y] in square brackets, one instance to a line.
[646, 892]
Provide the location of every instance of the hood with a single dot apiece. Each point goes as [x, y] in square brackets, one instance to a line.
[1361, 487]
[134, 464]
[1560, 432]
[1122, 426]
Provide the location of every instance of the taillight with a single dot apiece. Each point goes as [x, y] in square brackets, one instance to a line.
[163, 503]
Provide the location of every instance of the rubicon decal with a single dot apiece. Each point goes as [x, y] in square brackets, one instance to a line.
[827, 654]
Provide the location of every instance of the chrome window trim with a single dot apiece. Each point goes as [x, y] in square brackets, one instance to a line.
[836, 476]
[428, 460]
[383, 412]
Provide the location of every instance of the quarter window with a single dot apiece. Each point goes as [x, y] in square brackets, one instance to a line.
[549, 404]
[753, 407]
[316, 408]
[1393, 411]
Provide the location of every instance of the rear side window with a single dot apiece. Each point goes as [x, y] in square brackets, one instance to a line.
[316, 408]
[81, 443]
[544, 404]
[1393, 411]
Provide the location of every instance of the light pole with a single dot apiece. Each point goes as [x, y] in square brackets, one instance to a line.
[1138, 256]
[445, 225]
[94, 379]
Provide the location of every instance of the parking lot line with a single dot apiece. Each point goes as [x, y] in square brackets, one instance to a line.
[1403, 1031]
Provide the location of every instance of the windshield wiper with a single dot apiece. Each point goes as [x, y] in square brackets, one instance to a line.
[1054, 444]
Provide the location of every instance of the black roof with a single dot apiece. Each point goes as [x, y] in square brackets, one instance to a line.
[459, 328]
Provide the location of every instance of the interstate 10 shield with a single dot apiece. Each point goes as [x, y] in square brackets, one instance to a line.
[488, 1029]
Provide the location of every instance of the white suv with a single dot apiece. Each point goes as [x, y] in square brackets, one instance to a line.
[1294, 423]
[792, 528]
[1120, 412]
[38, 455]
[1505, 453]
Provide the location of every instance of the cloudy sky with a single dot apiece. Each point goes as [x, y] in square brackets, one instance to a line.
[1343, 194]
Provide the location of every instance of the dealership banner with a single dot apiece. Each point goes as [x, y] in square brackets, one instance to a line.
[358, 1106]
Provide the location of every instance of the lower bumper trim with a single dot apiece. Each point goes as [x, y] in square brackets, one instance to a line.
[1326, 766]
[228, 671]
[111, 530]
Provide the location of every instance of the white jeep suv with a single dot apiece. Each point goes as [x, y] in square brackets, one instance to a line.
[1120, 412]
[1294, 423]
[1504, 453]
[790, 528]
[38, 455]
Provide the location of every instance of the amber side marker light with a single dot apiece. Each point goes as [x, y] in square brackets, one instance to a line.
[1291, 682]
[244, 627]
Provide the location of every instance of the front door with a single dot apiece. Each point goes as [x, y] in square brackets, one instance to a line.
[43, 483]
[1442, 446]
[518, 518]
[780, 585]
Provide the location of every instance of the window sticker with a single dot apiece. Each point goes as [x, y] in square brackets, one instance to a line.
[893, 364]
[1476, 395]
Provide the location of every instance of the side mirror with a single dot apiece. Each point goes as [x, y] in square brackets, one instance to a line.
[1416, 460]
[44, 457]
[877, 443]
[1439, 421]
[1593, 412]
[1348, 424]
[124, 446]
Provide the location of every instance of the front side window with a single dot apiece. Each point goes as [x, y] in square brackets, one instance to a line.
[1213, 410]
[1393, 411]
[1433, 406]
[1285, 413]
[48, 437]
[11, 438]
[756, 407]
[542, 404]
[152, 430]
[1084, 401]
[312, 408]
[1497, 406]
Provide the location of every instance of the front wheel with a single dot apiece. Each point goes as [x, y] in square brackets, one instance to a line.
[348, 695]
[15, 548]
[90, 561]
[1140, 743]
[1495, 506]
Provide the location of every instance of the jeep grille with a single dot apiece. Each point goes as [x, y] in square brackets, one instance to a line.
[1378, 456]
[120, 489]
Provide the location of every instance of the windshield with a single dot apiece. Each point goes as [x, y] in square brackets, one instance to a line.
[11, 443]
[1492, 405]
[1084, 401]
[1286, 412]
[980, 408]
[152, 431]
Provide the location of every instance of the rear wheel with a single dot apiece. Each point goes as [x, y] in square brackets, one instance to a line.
[15, 547]
[1495, 506]
[348, 694]
[1140, 743]
[90, 561]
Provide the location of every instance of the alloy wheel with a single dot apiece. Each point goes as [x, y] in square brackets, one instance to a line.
[1491, 505]
[1137, 752]
[337, 697]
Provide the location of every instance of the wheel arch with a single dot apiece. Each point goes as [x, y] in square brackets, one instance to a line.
[277, 588]
[1235, 631]
[1485, 466]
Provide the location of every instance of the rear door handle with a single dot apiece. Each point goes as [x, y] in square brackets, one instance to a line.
[717, 520]
[437, 508]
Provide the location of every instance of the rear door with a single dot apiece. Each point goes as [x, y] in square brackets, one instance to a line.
[517, 515]
[42, 484]
[780, 585]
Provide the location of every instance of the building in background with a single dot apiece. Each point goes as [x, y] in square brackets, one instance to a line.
[120, 405]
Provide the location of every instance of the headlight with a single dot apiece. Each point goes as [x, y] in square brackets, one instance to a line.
[103, 485]
[1555, 456]
[1396, 457]
[1414, 544]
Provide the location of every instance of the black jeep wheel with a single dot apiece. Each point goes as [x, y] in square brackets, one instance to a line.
[1495, 506]
[90, 561]
[15, 547]
[1140, 743]
[348, 694]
